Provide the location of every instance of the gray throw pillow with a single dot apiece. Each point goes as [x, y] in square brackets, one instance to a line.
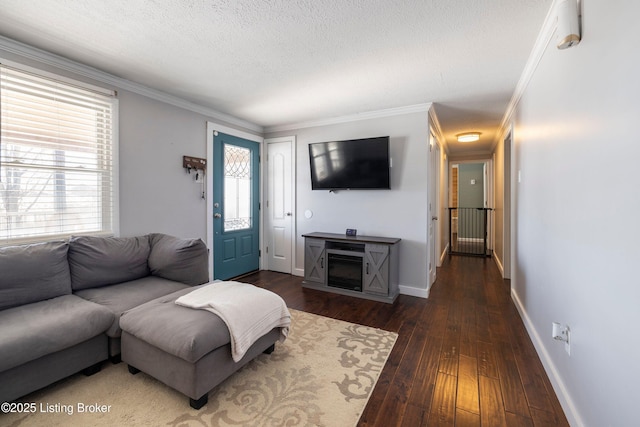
[31, 273]
[100, 261]
[182, 260]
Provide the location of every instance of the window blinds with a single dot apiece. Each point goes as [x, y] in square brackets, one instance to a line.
[56, 158]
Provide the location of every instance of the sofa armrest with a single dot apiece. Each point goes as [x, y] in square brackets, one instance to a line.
[182, 260]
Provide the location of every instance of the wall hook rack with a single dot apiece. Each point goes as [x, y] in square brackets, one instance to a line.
[199, 165]
[196, 163]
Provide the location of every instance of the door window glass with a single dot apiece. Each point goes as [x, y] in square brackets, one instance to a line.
[237, 188]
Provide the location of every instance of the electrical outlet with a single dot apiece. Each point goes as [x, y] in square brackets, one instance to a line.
[562, 333]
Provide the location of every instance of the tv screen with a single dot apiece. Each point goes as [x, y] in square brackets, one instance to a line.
[352, 164]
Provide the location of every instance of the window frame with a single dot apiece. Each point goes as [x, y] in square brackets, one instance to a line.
[115, 197]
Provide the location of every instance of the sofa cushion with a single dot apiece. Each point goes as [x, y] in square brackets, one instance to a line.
[124, 296]
[34, 330]
[100, 261]
[31, 273]
[183, 260]
[177, 330]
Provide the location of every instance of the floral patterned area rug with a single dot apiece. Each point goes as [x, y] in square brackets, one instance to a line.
[322, 375]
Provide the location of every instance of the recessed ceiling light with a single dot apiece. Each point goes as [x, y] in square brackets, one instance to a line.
[468, 136]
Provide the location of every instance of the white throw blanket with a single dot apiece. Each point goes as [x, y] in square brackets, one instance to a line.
[248, 311]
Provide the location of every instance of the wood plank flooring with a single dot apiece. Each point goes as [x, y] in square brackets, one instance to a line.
[462, 358]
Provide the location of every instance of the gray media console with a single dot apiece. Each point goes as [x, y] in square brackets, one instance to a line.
[361, 266]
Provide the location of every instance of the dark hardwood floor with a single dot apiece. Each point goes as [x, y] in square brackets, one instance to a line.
[463, 356]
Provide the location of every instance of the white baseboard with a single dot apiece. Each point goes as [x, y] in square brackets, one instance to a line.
[556, 380]
[414, 292]
[298, 272]
[499, 264]
[444, 254]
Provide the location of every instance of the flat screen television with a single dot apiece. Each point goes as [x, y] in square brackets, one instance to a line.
[355, 164]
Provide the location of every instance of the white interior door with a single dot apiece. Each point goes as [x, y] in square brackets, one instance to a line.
[434, 175]
[279, 212]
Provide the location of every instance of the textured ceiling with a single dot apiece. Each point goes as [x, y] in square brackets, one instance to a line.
[279, 62]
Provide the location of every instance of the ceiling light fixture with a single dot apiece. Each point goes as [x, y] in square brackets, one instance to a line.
[468, 136]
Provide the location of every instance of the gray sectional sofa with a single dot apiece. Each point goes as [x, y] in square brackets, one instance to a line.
[61, 302]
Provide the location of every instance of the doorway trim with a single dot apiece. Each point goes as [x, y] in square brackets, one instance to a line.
[433, 211]
[507, 194]
[489, 200]
[211, 127]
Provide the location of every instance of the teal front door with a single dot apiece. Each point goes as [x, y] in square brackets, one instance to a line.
[236, 194]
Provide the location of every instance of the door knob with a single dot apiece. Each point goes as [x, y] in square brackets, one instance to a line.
[288, 213]
[217, 215]
[434, 218]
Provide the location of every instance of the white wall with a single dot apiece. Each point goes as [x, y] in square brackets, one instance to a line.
[576, 253]
[399, 212]
[156, 194]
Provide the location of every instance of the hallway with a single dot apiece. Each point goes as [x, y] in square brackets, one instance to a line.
[462, 358]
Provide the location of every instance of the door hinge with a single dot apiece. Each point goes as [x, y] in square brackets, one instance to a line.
[267, 249]
[259, 253]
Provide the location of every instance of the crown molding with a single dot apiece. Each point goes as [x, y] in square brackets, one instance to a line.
[539, 48]
[48, 58]
[41, 56]
[397, 111]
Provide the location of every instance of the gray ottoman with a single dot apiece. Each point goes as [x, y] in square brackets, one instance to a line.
[188, 350]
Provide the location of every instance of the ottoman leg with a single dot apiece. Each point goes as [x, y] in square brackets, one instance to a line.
[133, 370]
[270, 349]
[93, 369]
[199, 403]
